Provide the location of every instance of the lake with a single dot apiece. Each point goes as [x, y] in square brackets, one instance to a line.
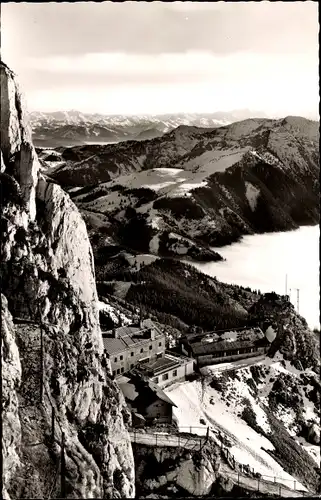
[263, 261]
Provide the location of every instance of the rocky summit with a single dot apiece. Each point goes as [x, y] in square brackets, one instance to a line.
[56, 385]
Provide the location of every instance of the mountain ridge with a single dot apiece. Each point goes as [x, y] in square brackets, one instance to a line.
[210, 187]
[73, 127]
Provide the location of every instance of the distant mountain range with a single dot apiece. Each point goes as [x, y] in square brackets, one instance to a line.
[71, 128]
[194, 188]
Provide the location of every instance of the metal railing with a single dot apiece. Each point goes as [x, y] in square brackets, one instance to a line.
[263, 486]
[285, 483]
[156, 437]
[167, 436]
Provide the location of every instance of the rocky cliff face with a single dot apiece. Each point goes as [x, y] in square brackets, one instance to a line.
[48, 278]
[169, 472]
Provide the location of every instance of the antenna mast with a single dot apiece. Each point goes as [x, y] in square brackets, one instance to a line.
[297, 299]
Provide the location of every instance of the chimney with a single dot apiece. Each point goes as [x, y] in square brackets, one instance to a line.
[152, 333]
[141, 319]
[115, 333]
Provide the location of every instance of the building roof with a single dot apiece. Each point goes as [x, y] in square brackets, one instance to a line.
[129, 391]
[160, 364]
[113, 346]
[136, 391]
[128, 337]
[160, 393]
[213, 342]
[163, 364]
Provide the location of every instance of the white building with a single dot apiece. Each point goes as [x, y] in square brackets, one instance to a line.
[168, 369]
[128, 346]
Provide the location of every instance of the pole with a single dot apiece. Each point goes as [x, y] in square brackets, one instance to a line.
[294, 482]
[41, 364]
[63, 467]
[238, 479]
[258, 484]
[286, 284]
[52, 424]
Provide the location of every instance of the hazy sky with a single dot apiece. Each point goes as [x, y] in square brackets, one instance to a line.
[139, 57]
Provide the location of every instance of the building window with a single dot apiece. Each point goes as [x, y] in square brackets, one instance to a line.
[159, 354]
[159, 343]
[165, 376]
[115, 360]
[131, 365]
[150, 347]
[114, 372]
[174, 373]
[142, 350]
[122, 370]
[121, 357]
[118, 371]
[156, 380]
[132, 354]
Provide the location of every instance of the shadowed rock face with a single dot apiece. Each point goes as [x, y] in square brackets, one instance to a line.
[18, 153]
[48, 274]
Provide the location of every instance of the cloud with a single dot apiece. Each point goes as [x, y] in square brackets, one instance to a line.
[201, 65]
[274, 95]
[152, 28]
[165, 56]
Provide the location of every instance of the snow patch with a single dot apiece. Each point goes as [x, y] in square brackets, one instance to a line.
[113, 313]
[154, 244]
[252, 194]
[139, 261]
[184, 188]
[195, 403]
[215, 160]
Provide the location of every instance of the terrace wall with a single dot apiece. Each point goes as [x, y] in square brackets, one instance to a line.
[174, 374]
[212, 359]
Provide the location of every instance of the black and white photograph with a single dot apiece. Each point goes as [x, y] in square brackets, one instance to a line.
[160, 266]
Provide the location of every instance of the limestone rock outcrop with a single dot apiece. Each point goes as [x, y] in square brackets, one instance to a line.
[11, 378]
[192, 472]
[314, 434]
[53, 364]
